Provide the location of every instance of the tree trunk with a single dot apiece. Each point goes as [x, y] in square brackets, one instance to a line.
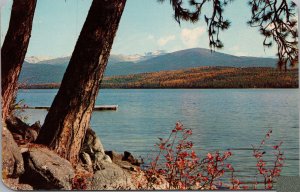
[69, 116]
[14, 50]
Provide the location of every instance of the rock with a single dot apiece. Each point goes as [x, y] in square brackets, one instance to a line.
[112, 177]
[97, 166]
[130, 168]
[34, 130]
[23, 149]
[15, 185]
[99, 160]
[114, 156]
[93, 147]
[107, 159]
[126, 159]
[98, 156]
[98, 147]
[129, 157]
[12, 161]
[44, 169]
[92, 143]
[157, 182]
[22, 132]
[86, 159]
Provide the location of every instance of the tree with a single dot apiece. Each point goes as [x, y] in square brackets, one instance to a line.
[69, 116]
[276, 20]
[70, 113]
[14, 49]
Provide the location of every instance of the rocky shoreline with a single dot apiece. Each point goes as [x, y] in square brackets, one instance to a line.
[29, 166]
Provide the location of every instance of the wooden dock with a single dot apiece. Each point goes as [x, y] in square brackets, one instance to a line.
[96, 108]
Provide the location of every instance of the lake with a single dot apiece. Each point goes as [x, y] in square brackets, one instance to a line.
[221, 119]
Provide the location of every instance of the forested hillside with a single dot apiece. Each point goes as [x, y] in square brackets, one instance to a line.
[201, 77]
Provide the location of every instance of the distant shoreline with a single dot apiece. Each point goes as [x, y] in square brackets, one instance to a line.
[27, 88]
[197, 78]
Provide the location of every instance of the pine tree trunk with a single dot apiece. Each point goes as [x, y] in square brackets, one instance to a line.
[14, 50]
[69, 116]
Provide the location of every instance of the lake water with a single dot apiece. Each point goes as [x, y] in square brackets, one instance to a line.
[220, 119]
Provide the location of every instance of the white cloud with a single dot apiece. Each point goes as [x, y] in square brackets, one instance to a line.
[190, 37]
[164, 40]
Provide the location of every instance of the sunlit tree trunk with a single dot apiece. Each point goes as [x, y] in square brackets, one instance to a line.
[69, 116]
[14, 50]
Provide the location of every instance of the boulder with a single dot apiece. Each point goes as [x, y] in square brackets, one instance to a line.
[99, 160]
[99, 157]
[22, 132]
[12, 161]
[123, 159]
[112, 177]
[114, 156]
[92, 143]
[44, 169]
[129, 157]
[86, 159]
[93, 155]
[107, 159]
[15, 185]
[92, 152]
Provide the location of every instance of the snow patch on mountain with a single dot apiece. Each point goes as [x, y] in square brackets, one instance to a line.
[37, 59]
[114, 58]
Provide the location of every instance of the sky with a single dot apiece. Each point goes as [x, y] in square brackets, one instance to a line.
[146, 26]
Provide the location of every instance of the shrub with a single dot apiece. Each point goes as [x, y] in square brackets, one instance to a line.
[178, 165]
[270, 172]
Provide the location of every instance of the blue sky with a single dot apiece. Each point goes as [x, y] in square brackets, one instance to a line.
[146, 26]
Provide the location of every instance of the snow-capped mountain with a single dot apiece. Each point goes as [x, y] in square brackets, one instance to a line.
[52, 71]
[137, 57]
[114, 58]
[37, 59]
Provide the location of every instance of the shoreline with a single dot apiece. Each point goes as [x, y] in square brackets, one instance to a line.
[191, 78]
[275, 88]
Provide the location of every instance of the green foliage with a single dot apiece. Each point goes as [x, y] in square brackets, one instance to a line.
[277, 21]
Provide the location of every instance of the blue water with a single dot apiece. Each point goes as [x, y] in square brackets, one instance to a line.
[220, 119]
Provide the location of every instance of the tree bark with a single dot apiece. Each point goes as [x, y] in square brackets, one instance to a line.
[69, 116]
[14, 50]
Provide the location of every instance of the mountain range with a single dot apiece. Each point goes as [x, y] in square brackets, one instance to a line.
[52, 70]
